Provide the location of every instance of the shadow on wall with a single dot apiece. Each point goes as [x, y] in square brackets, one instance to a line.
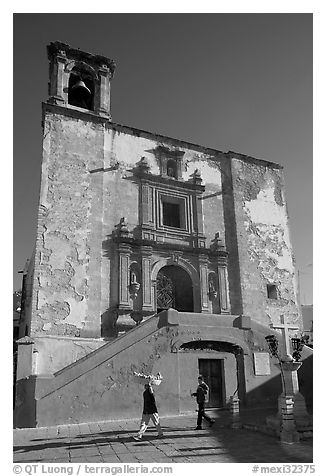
[110, 315]
[108, 323]
[267, 393]
[25, 408]
[305, 377]
[110, 249]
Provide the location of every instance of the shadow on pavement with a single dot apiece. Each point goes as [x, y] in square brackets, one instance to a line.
[233, 445]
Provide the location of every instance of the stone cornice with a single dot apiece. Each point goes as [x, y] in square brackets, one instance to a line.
[248, 158]
[157, 246]
[167, 181]
[25, 341]
[62, 49]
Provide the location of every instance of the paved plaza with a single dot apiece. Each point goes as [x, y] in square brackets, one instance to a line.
[112, 442]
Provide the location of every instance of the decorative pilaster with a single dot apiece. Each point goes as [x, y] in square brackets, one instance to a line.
[146, 199]
[105, 76]
[147, 205]
[124, 251]
[198, 210]
[146, 257]
[203, 277]
[58, 78]
[222, 271]
[223, 285]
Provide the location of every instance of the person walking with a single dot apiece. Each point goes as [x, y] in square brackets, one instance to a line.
[149, 413]
[201, 394]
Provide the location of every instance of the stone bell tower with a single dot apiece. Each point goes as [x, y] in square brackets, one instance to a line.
[79, 79]
[65, 275]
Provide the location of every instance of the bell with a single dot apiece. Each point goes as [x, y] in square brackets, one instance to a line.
[81, 86]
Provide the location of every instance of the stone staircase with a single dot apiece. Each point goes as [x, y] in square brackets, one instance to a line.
[101, 386]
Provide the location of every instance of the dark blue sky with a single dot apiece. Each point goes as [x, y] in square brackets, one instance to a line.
[240, 82]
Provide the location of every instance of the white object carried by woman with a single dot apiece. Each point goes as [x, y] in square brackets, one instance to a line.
[153, 379]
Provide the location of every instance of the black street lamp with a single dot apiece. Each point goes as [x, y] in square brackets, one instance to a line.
[272, 345]
[297, 346]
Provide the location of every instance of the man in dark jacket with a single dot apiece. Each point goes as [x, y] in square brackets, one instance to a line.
[200, 394]
[149, 413]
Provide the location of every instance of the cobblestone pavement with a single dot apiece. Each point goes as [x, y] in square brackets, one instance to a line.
[112, 442]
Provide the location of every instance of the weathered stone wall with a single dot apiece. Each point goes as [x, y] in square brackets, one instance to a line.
[68, 247]
[210, 169]
[103, 387]
[264, 246]
[55, 353]
[110, 391]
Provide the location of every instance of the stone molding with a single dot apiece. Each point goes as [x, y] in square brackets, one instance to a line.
[25, 341]
[63, 50]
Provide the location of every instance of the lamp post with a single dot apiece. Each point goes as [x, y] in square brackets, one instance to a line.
[273, 349]
[290, 400]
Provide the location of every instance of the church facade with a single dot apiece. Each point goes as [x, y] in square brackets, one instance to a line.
[152, 254]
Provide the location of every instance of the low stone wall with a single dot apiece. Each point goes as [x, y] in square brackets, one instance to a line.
[55, 353]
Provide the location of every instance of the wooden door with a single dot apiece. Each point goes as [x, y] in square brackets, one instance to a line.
[212, 371]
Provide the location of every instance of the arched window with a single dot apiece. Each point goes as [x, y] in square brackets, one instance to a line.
[81, 89]
[171, 168]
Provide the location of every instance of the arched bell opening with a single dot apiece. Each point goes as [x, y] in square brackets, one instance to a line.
[81, 89]
[174, 289]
